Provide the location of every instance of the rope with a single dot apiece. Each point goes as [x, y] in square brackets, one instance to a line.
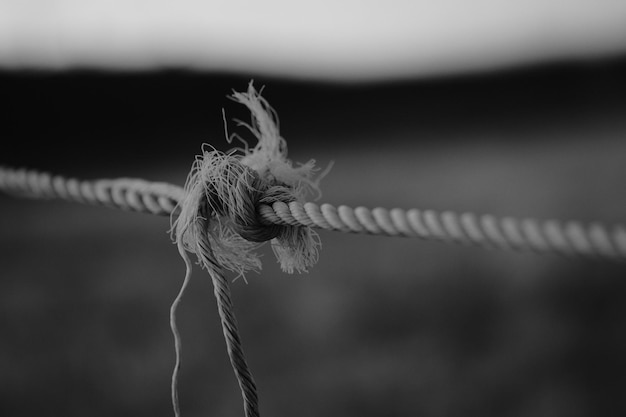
[124, 193]
[230, 329]
[569, 238]
[231, 202]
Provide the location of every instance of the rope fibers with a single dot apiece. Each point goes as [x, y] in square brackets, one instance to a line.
[232, 202]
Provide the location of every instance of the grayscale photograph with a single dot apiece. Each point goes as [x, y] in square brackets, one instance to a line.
[313, 209]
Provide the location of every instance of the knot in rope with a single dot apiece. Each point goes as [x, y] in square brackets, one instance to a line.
[223, 199]
[235, 184]
[218, 221]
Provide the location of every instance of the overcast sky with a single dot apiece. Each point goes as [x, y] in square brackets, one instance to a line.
[348, 39]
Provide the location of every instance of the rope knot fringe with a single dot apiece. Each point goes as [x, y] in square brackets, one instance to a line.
[218, 221]
[233, 185]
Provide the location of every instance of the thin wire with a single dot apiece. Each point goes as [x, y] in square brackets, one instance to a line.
[551, 236]
[175, 332]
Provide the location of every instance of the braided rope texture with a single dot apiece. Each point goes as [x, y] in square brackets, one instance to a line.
[230, 328]
[551, 236]
[124, 193]
[569, 239]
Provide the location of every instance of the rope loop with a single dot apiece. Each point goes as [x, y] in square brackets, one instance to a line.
[247, 221]
[237, 192]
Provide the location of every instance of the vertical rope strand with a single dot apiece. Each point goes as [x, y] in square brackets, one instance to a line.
[230, 329]
[175, 332]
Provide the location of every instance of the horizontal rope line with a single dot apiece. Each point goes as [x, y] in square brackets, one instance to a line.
[567, 238]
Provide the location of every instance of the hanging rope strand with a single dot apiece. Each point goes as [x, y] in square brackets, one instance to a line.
[570, 238]
[230, 329]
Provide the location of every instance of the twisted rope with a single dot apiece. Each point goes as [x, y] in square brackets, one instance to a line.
[569, 238]
[230, 329]
[125, 193]
[232, 200]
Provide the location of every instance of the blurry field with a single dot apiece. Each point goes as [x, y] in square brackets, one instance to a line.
[380, 327]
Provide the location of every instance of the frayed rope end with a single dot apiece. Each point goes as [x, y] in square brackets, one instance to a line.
[231, 185]
[217, 220]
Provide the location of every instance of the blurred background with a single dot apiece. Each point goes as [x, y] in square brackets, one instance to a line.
[508, 108]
